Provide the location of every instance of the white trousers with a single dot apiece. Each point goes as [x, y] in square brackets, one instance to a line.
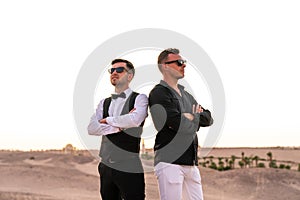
[178, 181]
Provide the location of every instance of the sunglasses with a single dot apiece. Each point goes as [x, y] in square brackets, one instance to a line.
[178, 62]
[117, 69]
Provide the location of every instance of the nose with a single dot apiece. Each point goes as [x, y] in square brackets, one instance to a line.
[114, 72]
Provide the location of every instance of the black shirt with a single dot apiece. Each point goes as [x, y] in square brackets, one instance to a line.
[176, 141]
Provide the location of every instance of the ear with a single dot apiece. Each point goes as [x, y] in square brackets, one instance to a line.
[130, 77]
[165, 67]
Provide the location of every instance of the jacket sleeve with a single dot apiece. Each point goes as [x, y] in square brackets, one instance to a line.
[204, 118]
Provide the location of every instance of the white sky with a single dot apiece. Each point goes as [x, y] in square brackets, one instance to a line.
[254, 45]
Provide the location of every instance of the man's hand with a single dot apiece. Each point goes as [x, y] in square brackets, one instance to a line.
[189, 116]
[195, 109]
[133, 109]
[103, 121]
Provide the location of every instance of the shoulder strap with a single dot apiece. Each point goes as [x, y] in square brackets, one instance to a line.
[131, 103]
[132, 100]
[106, 106]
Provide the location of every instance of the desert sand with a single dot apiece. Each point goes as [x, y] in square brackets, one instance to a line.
[56, 175]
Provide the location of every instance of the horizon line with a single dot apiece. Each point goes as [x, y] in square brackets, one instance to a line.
[233, 147]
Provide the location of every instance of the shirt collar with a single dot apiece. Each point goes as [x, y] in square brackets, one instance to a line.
[128, 92]
[165, 84]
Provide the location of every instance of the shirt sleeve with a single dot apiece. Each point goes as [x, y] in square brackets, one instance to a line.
[96, 128]
[133, 119]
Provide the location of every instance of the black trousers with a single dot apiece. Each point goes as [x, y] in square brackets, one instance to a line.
[118, 185]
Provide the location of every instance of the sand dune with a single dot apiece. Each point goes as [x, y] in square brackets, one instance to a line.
[254, 183]
[58, 176]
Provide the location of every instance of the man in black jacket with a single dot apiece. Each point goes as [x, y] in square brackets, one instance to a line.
[177, 117]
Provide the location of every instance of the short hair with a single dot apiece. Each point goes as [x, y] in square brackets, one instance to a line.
[129, 65]
[163, 56]
[165, 53]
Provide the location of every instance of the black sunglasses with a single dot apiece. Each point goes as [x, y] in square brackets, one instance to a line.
[178, 62]
[117, 69]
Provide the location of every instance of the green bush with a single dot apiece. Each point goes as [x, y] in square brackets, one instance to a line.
[203, 164]
[281, 166]
[227, 168]
[241, 164]
[213, 165]
[272, 164]
[220, 168]
[261, 165]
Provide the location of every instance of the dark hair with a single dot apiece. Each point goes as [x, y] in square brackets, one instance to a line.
[129, 65]
[164, 54]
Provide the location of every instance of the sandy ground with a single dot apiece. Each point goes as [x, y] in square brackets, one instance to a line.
[58, 176]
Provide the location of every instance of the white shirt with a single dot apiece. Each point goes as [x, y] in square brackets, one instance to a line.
[115, 121]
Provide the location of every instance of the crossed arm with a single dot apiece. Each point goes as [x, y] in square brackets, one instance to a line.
[104, 126]
[166, 113]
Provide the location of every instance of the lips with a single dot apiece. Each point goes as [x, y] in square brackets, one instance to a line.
[114, 77]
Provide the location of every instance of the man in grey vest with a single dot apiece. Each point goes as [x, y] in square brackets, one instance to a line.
[119, 120]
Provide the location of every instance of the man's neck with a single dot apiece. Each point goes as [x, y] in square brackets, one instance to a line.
[173, 83]
[119, 90]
